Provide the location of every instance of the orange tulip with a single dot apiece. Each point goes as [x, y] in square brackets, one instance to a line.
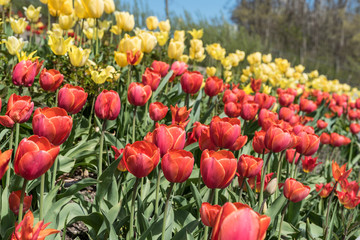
[160, 67]
[51, 79]
[249, 166]
[277, 140]
[177, 165]
[295, 191]
[180, 115]
[326, 189]
[340, 173]
[308, 144]
[208, 214]
[121, 166]
[151, 78]
[168, 137]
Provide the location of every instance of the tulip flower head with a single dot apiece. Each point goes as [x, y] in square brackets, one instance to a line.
[157, 111]
[14, 202]
[19, 110]
[107, 105]
[138, 94]
[208, 214]
[213, 86]
[295, 191]
[180, 115]
[72, 98]
[24, 73]
[249, 166]
[121, 166]
[325, 189]
[340, 173]
[50, 80]
[168, 137]
[177, 165]
[151, 78]
[191, 82]
[160, 67]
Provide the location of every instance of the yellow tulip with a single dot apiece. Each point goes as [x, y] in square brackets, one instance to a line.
[4, 2]
[254, 58]
[162, 38]
[216, 51]
[111, 74]
[22, 56]
[184, 58]
[90, 33]
[128, 43]
[121, 59]
[164, 26]
[125, 21]
[234, 59]
[175, 49]
[282, 64]
[57, 7]
[148, 42]
[99, 77]
[66, 21]
[226, 63]
[299, 68]
[196, 34]
[266, 58]
[19, 25]
[179, 36]
[59, 45]
[78, 56]
[80, 10]
[56, 30]
[196, 51]
[94, 8]
[244, 78]
[14, 45]
[109, 6]
[240, 54]
[90, 22]
[266, 89]
[210, 71]
[248, 89]
[104, 25]
[32, 13]
[152, 23]
[115, 30]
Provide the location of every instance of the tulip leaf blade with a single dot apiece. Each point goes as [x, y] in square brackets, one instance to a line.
[274, 210]
[163, 83]
[196, 195]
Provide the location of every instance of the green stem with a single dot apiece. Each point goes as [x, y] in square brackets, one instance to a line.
[10, 147]
[56, 98]
[263, 174]
[42, 186]
[81, 32]
[91, 113]
[132, 213]
[328, 210]
[53, 180]
[17, 133]
[157, 194]
[166, 210]
[351, 151]
[282, 219]
[97, 37]
[187, 100]
[134, 124]
[101, 148]
[21, 206]
[278, 173]
[241, 189]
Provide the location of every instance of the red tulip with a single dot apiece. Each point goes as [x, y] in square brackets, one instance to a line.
[208, 214]
[177, 165]
[309, 163]
[25, 230]
[4, 161]
[107, 105]
[349, 199]
[291, 154]
[217, 168]
[24, 73]
[138, 94]
[249, 110]
[133, 58]
[308, 144]
[213, 86]
[266, 116]
[325, 138]
[14, 202]
[50, 80]
[205, 140]
[277, 140]
[338, 140]
[239, 221]
[53, 123]
[286, 99]
[286, 114]
[295, 191]
[321, 124]
[168, 137]
[353, 114]
[340, 173]
[307, 105]
[264, 100]
[357, 103]
[180, 115]
[251, 181]
[179, 68]
[0, 104]
[326, 189]
[196, 131]
[72, 98]
[230, 96]
[141, 158]
[160, 67]
[151, 78]
[121, 166]
[157, 111]
[249, 166]
[355, 128]
[34, 157]
[255, 84]
[347, 186]
[232, 109]
[191, 82]
[258, 142]
[19, 109]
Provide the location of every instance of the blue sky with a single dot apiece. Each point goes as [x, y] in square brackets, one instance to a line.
[198, 8]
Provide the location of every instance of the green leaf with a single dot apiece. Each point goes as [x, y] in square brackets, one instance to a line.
[274, 210]
[188, 229]
[196, 195]
[77, 187]
[163, 83]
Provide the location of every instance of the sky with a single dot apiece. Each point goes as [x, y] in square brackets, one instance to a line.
[198, 8]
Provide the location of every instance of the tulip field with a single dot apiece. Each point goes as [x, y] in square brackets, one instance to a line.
[114, 131]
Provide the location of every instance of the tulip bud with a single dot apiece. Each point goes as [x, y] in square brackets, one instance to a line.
[308, 144]
[249, 166]
[232, 109]
[258, 142]
[307, 106]
[213, 86]
[168, 138]
[152, 23]
[272, 186]
[34, 157]
[4, 161]
[295, 191]
[177, 165]
[321, 124]
[286, 99]
[148, 42]
[51, 79]
[138, 94]
[160, 67]
[209, 213]
[72, 98]
[24, 73]
[175, 49]
[277, 140]
[191, 82]
[151, 78]
[109, 6]
[57, 7]
[164, 26]
[121, 59]
[107, 105]
[32, 13]
[355, 128]
[94, 8]
[157, 111]
[249, 110]
[14, 202]
[125, 21]
[19, 110]
[325, 138]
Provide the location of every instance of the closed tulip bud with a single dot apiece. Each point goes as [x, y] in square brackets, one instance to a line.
[295, 191]
[151, 78]
[57, 7]
[4, 161]
[14, 45]
[249, 110]
[277, 140]
[125, 21]
[80, 10]
[141, 158]
[78, 56]
[59, 46]
[162, 37]
[177, 165]
[175, 49]
[237, 219]
[272, 186]
[148, 42]
[66, 21]
[107, 105]
[32, 13]
[325, 138]
[157, 111]
[152, 23]
[213, 86]
[308, 145]
[138, 94]
[264, 100]
[160, 67]
[18, 25]
[258, 142]
[180, 115]
[191, 82]
[51, 79]
[24, 73]
[109, 6]
[340, 173]
[94, 8]
[121, 59]
[326, 189]
[168, 138]
[321, 124]
[355, 128]
[286, 99]
[34, 157]
[19, 110]
[307, 106]
[217, 168]
[164, 26]
[208, 214]
[249, 166]
[337, 140]
[53, 123]
[232, 109]
[179, 68]
[72, 98]
[179, 35]
[14, 202]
